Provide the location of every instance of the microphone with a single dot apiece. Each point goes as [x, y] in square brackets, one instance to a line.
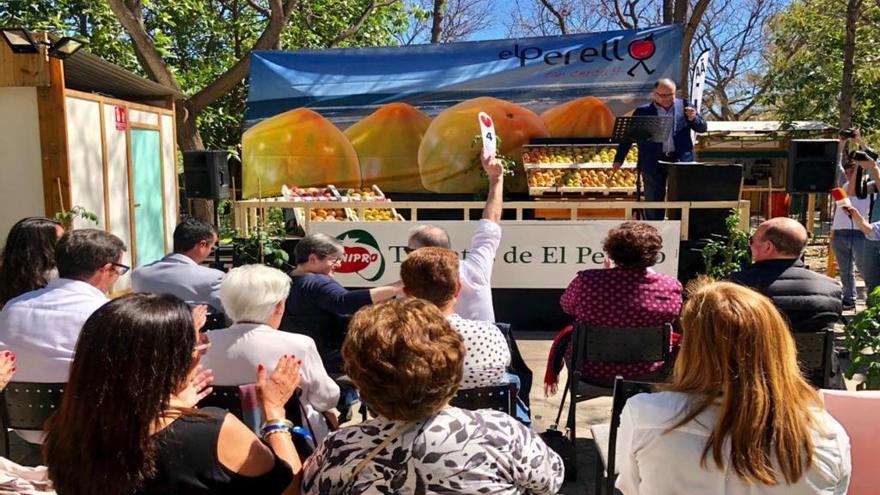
[840, 198]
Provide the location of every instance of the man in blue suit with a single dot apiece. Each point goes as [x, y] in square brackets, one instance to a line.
[678, 146]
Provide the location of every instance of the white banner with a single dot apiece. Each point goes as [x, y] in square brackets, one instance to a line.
[533, 254]
[698, 80]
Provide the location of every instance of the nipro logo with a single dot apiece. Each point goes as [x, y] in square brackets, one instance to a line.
[640, 50]
[362, 255]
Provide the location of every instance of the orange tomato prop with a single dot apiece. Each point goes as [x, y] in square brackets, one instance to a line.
[584, 117]
[298, 147]
[447, 151]
[387, 145]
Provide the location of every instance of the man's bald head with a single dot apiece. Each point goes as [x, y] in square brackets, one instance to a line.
[786, 235]
[428, 236]
[665, 83]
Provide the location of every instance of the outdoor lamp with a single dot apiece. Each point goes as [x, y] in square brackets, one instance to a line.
[21, 41]
[65, 47]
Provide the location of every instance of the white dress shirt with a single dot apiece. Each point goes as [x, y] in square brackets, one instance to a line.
[669, 143]
[236, 352]
[42, 326]
[486, 352]
[652, 461]
[475, 273]
[180, 275]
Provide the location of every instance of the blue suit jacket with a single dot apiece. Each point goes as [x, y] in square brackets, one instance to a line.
[650, 153]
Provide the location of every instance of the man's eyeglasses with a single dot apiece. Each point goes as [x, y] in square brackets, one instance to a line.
[664, 95]
[122, 269]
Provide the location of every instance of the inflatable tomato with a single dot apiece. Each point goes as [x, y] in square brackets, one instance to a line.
[298, 147]
[447, 151]
[387, 144]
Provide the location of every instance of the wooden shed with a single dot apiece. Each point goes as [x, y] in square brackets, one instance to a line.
[85, 132]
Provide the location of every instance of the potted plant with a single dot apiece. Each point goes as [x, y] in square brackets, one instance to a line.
[264, 244]
[726, 254]
[863, 343]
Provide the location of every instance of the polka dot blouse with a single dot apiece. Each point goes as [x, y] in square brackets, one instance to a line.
[486, 353]
[620, 298]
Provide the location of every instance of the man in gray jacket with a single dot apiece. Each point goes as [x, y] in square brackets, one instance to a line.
[181, 273]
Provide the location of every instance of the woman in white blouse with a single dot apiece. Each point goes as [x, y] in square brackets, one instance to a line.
[738, 417]
[254, 297]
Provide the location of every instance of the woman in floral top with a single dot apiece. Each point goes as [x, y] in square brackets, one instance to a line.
[406, 361]
[629, 295]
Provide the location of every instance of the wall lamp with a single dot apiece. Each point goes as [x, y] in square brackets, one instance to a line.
[21, 41]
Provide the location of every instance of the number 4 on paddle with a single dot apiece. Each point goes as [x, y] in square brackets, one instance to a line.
[487, 131]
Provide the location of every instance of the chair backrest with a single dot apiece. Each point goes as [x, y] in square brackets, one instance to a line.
[814, 351]
[623, 345]
[623, 391]
[27, 406]
[857, 412]
[225, 397]
[497, 397]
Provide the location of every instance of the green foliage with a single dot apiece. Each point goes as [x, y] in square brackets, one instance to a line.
[507, 162]
[66, 217]
[863, 342]
[263, 245]
[806, 43]
[201, 39]
[728, 254]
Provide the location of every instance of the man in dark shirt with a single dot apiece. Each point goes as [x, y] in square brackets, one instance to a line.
[809, 300]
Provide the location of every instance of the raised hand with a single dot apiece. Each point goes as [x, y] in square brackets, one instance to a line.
[492, 165]
[197, 387]
[200, 316]
[7, 368]
[276, 389]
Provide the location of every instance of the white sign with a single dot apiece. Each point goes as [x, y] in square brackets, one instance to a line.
[698, 80]
[533, 254]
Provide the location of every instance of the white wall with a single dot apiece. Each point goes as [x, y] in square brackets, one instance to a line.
[117, 180]
[21, 169]
[85, 157]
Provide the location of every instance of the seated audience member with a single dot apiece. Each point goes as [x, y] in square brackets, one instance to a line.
[7, 368]
[181, 273]
[127, 423]
[406, 360]
[42, 326]
[432, 274]
[738, 417]
[627, 295]
[809, 300]
[319, 306]
[254, 297]
[28, 260]
[475, 270]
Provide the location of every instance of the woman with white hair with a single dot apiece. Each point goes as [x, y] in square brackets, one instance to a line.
[254, 297]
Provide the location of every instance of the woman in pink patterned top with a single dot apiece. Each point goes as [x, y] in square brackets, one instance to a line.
[628, 295]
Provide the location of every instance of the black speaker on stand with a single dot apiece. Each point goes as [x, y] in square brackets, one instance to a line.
[704, 182]
[812, 165]
[206, 176]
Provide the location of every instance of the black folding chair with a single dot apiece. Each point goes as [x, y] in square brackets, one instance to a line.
[814, 352]
[518, 365]
[605, 435]
[27, 406]
[617, 345]
[498, 397]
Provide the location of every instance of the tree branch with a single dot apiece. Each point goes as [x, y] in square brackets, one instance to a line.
[559, 17]
[358, 24]
[259, 8]
[622, 20]
[131, 18]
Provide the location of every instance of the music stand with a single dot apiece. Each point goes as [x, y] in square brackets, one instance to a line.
[644, 128]
[649, 128]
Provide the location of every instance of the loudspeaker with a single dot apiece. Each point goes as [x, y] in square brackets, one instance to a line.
[812, 165]
[704, 182]
[206, 174]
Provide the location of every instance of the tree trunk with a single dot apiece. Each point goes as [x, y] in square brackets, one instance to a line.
[853, 7]
[188, 137]
[690, 30]
[668, 8]
[437, 20]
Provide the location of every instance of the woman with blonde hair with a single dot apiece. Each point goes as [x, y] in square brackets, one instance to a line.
[738, 416]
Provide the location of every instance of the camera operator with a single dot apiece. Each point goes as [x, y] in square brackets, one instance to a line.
[863, 211]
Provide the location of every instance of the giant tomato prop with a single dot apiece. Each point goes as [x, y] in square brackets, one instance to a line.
[447, 151]
[298, 147]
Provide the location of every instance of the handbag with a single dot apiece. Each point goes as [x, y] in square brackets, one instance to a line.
[561, 443]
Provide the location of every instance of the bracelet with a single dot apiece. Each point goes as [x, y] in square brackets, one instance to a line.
[270, 428]
[280, 421]
[270, 433]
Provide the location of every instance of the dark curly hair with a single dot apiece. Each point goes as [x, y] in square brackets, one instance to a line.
[633, 244]
[28, 257]
[404, 357]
